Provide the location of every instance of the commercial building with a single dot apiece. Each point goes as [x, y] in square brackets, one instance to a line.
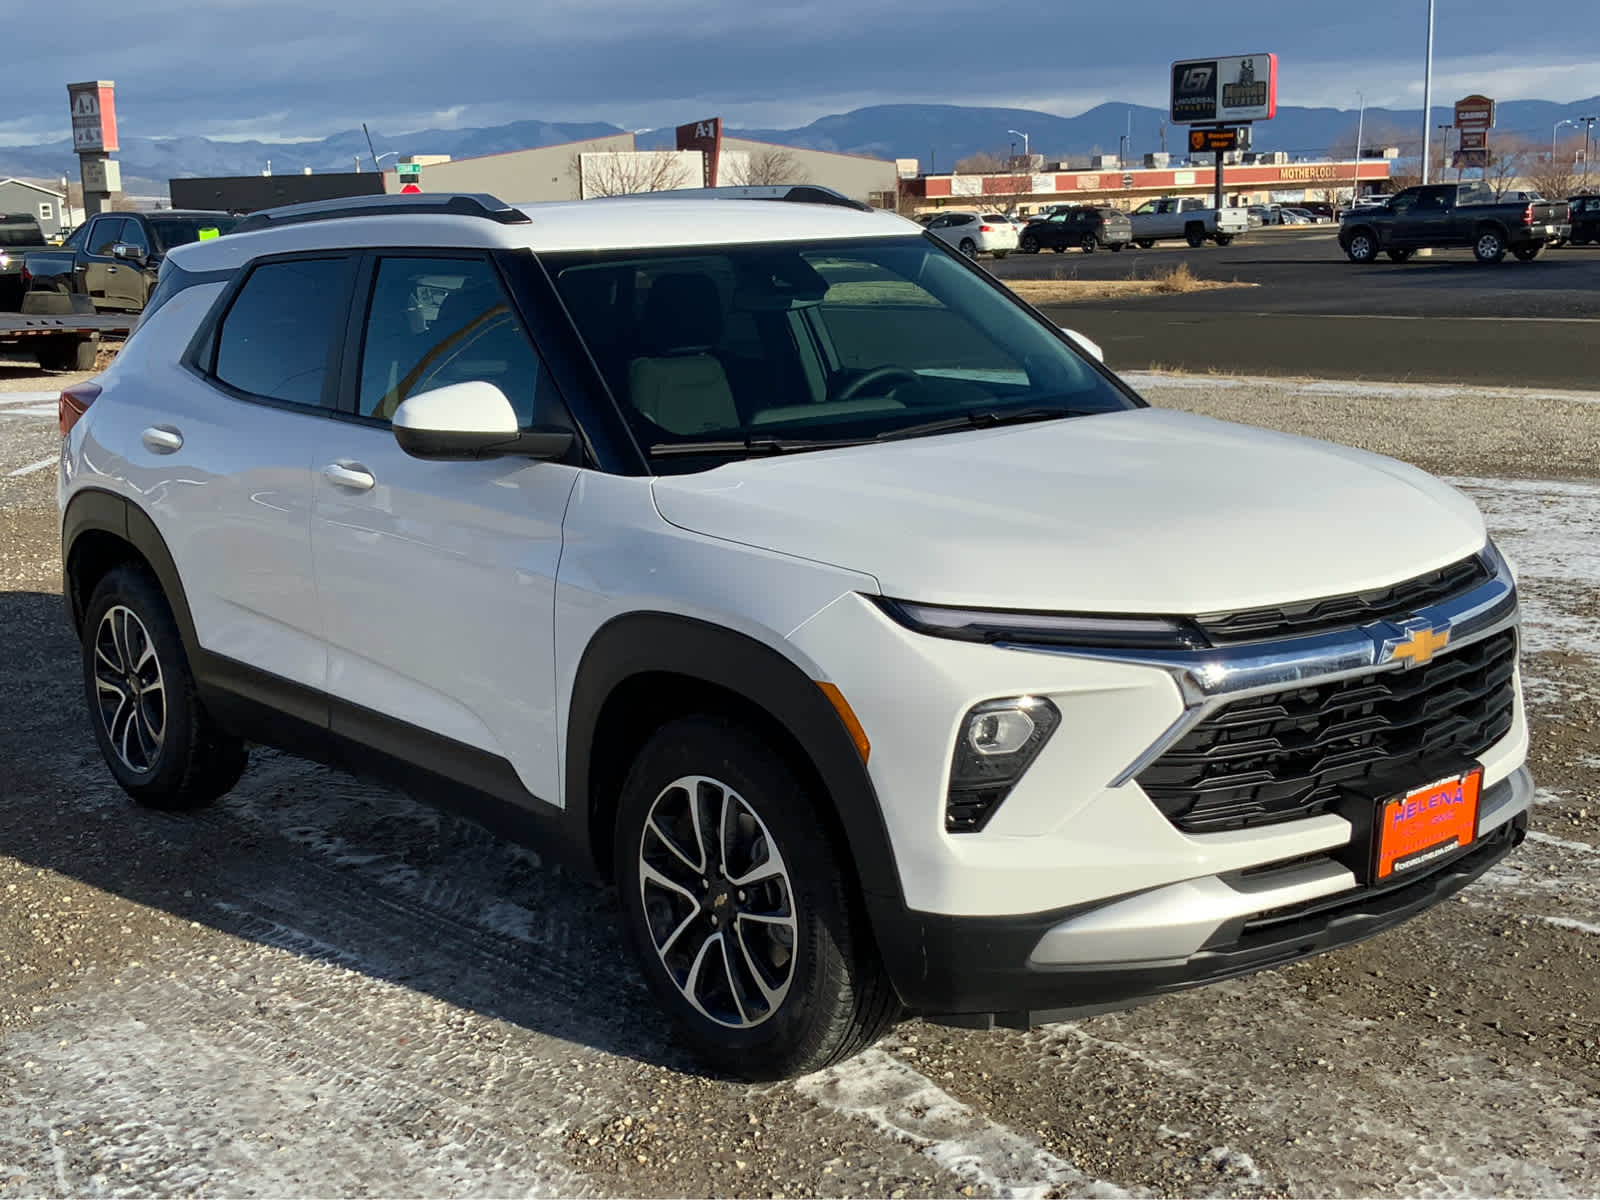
[247, 193]
[45, 205]
[1243, 184]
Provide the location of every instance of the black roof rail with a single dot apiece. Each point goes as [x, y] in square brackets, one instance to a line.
[795, 193]
[457, 204]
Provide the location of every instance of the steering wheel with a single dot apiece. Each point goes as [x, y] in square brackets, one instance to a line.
[877, 375]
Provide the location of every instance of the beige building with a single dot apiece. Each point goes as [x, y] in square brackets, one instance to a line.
[873, 181]
[521, 176]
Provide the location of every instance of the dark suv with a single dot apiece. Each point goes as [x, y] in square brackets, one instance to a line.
[1085, 227]
[1585, 212]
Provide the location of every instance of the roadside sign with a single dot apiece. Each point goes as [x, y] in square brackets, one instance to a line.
[410, 189]
[1474, 139]
[1475, 112]
[1127, 182]
[1208, 141]
[94, 116]
[1240, 89]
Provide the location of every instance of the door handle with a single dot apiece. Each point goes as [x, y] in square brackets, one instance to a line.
[350, 475]
[162, 439]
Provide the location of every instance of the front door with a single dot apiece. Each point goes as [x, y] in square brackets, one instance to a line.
[125, 278]
[97, 266]
[437, 579]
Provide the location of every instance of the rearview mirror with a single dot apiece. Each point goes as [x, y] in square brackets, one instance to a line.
[1088, 346]
[471, 420]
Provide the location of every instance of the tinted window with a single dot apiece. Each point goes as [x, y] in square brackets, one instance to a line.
[20, 231]
[133, 235]
[104, 233]
[76, 240]
[438, 321]
[171, 232]
[280, 330]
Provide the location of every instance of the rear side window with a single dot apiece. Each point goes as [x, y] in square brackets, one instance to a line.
[278, 335]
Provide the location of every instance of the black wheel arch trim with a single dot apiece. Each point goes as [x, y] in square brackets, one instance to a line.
[94, 510]
[650, 643]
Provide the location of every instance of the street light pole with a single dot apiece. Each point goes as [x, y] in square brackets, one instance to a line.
[1427, 101]
[1444, 152]
[1361, 124]
[1588, 124]
[1024, 138]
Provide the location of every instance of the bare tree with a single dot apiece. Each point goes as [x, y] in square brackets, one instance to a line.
[627, 172]
[1509, 158]
[1556, 176]
[770, 165]
[985, 162]
[1377, 132]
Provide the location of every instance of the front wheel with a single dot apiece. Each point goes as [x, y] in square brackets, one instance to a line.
[1528, 253]
[1090, 243]
[1030, 244]
[1362, 247]
[1489, 246]
[739, 907]
[160, 742]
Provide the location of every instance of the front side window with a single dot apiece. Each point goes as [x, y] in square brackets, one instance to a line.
[278, 335]
[433, 322]
[815, 343]
[133, 235]
[104, 233]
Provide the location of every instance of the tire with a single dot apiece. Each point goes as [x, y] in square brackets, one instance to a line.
[1362, 246]
[1195, 234]
[1145, 243]
[1059, 249]
[1400, 256]
[969, 248]
[821, 994]
[1529, 253]
[1030, 244]
[68, 353]
[1222, 239]
[1089, 244]
[1489, 245]
[161, 744]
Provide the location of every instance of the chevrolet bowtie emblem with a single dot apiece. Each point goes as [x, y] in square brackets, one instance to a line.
[1415, 646]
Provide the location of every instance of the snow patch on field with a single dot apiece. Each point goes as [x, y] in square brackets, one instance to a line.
[904, 1104]
[1340, 387]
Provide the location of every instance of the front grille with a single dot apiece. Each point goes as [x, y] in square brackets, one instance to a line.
[1344, 612]
[1294, 753]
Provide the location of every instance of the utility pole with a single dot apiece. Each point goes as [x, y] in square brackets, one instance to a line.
[1361, 126]
[1163, 137]
[1588, 124]
[1427, 101]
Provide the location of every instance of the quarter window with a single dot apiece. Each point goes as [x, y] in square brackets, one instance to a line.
[438, 321]
[279, 333]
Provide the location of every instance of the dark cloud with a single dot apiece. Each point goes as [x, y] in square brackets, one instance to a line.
[291, 67]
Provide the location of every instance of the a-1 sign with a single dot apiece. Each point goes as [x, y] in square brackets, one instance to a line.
[94, 116]
[1233, 90]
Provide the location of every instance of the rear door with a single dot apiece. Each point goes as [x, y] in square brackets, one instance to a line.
[437, 579]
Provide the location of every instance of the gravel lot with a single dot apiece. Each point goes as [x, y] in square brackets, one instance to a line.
[320, 987]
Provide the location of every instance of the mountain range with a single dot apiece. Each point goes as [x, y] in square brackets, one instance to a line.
[937, 135]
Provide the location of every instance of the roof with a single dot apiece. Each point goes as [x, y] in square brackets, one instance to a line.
[40, 188]
[642, 223]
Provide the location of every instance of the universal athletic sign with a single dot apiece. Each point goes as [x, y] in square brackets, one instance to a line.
[1233, 90]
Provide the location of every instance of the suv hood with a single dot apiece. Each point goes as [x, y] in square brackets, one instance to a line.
[1146, 511]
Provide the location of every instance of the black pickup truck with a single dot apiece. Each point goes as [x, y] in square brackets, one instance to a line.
[112, 261]
[1442, 215]
[20, 235]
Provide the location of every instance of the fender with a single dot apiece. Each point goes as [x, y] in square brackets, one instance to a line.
[643, 643]
[96, 510]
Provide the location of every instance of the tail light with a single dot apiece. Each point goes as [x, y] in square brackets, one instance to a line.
[1527, 215]
[27, 276]
[73, 403]
[985, 228]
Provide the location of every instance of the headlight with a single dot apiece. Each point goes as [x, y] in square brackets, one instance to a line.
[997, 743]
[1060, 629]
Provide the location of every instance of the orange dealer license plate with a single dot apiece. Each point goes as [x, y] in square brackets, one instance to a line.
[1426, 824]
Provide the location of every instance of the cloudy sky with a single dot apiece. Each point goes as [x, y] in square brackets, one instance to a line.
[285, 69]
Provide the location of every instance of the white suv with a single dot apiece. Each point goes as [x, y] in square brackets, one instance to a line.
[974, 233]
[885, 649]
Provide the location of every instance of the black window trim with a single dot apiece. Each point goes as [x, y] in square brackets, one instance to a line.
[201, 356]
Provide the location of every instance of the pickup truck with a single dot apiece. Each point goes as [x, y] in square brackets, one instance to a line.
[19, 234]
[1186, 217]
[1444, 215]
[112, 260]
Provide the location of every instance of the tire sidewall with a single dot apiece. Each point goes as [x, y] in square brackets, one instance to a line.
[1487, 236]
[728, 753]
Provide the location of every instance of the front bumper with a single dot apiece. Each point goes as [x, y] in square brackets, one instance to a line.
[1021, 971]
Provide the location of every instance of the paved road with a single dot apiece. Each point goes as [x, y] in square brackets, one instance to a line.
[1314, 313]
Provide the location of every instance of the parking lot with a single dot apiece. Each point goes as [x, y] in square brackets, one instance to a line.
[321, 987]
[1312, 313]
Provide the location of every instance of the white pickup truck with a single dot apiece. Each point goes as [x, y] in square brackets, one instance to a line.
[1186, 217]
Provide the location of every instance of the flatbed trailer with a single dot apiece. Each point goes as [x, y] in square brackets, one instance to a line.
[64, 342]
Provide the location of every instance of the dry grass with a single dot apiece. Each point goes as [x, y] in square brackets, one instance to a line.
[1170, 281]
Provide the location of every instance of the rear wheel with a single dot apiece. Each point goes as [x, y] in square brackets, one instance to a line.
[1195, 234]
[1528, 253]
[1222, 239]
[734, 898]
[969, 248]
[1001, 253]
[1489, 246]
[68, 353]
[1090, 243]
[162, 745]
[1145, 243]
[1400, 256]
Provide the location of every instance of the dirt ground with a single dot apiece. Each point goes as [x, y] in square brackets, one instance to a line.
[321, 987]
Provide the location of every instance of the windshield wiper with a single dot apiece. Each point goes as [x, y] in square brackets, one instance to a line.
[986, 418]
[751, 445]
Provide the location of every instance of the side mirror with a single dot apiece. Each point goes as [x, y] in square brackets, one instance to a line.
[130, 253]
[467, 421]
[1088, 346]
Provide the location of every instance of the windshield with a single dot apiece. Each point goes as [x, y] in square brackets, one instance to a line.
[795, 345]
[172, 232]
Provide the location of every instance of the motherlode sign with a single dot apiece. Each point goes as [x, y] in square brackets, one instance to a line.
[1223, 91]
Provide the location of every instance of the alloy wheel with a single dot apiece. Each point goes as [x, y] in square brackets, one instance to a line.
[130, 688]
[718, 902]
